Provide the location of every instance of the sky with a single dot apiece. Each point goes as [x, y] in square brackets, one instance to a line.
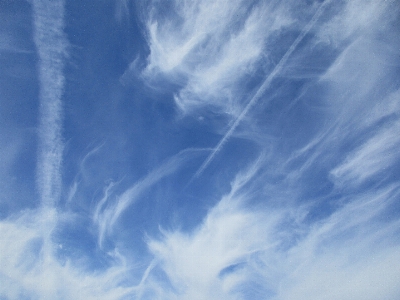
[200, 149]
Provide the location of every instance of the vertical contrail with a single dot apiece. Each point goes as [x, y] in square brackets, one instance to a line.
[262, 88]
[51, 46]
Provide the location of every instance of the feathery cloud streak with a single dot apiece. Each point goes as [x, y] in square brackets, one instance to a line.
[107, 214]
[52, 49]
[208, 47]
[240, 253]
[262, 89]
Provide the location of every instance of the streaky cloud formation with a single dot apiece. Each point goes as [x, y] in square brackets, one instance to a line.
[241, 253]
[29, 272]
[107, 215]
[261, 89]
[113, 188]
[371, 158]
[51, 46]
[209, 47]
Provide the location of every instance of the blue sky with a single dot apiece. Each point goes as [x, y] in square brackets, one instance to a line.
[199, 149]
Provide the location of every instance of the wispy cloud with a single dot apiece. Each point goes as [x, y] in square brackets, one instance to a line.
[371, 159]
[28, 270]
[298, 257]
[327, 266]
[209, 262]
[261, 90]
[206, 47]
[52, 49]
[30, 254]
[238, 252]
[108, 211]
[314, 215]
[359, 104]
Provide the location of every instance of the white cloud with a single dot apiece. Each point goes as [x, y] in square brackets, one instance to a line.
[51, 45]
[360, 102]
[237, 252]
[264, 86]
[357, 17]
[372, 158]
[349, 255]
[199, 265]
[333, 276]
[207, 47]
[29, 266]
[106, 214]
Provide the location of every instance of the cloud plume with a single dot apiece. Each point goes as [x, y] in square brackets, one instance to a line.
[51, 46]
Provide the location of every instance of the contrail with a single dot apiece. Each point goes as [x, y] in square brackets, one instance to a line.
[51, 46]
[262, 88]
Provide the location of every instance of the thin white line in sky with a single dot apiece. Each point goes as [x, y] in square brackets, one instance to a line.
[261, 89]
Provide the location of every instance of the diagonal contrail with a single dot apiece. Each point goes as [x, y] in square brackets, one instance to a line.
[262, 89]
[51, 46]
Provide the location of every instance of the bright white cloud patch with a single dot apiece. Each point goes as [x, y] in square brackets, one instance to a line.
[237, 254]
[30, 271]
[208, 47]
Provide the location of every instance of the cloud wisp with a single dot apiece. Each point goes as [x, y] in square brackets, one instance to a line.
[106, 214]
[27, 271]
[240, 253]
[207, 48]
[286, 253]
[261, 90]
[52, 48]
